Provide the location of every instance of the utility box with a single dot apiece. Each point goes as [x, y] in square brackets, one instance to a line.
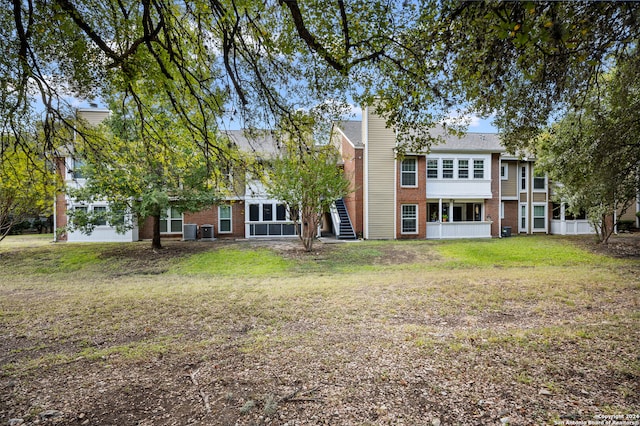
[206, 232]
[189, 232]
[506, 231]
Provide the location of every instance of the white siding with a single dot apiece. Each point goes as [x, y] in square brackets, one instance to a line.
[93, 116]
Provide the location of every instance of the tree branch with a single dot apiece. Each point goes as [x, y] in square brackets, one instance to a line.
[310, 40]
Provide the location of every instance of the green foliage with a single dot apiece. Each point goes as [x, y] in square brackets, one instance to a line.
[26, 189]
[144, 173]
[416, 61]
[594, 151]
[523, 62]
[306, 177]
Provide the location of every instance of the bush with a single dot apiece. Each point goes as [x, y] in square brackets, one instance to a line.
[625, 225]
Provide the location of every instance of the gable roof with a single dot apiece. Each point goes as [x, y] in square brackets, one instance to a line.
[470, 141]
[254, 141]
[352, 129]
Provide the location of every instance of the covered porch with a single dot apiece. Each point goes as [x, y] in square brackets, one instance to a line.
[449, 219]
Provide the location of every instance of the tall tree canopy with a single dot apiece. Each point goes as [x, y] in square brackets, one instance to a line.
[258, 61]
[27, 187]
[594, 151]
[145, 172]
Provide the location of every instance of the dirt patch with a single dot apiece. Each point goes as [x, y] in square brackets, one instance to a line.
[397, 347]
[623, 246]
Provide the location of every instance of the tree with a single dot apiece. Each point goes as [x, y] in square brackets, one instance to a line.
[522, 61]
[306, 177]
[26, 189]
[145, 173]
[594, 151]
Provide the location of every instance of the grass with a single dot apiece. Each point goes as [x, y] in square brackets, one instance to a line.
[517, 252]
[512, 316]
[233, 262]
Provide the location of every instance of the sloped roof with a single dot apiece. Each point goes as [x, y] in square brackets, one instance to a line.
[470, 141]
[254, 141]
[352, 129]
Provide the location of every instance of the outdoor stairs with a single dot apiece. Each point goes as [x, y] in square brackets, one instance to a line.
[346, 228]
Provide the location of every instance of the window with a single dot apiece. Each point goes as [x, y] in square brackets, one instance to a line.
[504, 172]
[580, 215]
[281, 212]
[100, 215]
[409, 219]
[539, 217]
[254, 212]
[117, 218]
[523, 178]
[478, 169]
[267, 212]
[539, 181]
[447, 169]
[523, 217]
[171, 221]
[463, 169]
[224, 219]
[78, 164]
[409, 172]
[432, 212]
[432, 169]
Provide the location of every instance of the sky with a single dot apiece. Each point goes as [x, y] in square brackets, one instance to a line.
[476, 124]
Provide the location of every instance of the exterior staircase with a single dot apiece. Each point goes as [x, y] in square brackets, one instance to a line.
[345, 228]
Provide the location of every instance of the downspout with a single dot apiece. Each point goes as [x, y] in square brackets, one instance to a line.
[55, 217]
[500, 211]
[395, 191]
[365, 177]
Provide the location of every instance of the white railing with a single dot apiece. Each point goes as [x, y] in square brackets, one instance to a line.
[335, 217]
[447, 230]
[571, 227]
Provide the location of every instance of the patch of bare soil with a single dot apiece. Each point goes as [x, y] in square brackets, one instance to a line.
[140, 258]
[624, 246]
[372, 366]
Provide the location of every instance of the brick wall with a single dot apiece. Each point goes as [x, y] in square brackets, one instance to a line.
[417, 195]
[511, 215]
[492, 205]
[207, 216]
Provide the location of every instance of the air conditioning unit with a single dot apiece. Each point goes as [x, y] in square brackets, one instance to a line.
[189, 232]
[206, 232]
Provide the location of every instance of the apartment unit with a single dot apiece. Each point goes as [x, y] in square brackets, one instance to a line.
[247, 212]
[467, 187]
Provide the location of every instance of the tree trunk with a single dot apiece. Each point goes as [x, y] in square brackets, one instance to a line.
[608, 226]
[310, 223]
[155, 241]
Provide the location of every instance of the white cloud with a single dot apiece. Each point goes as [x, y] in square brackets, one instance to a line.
[354, 113]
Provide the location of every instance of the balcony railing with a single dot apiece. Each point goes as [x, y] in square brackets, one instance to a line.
[571, 227]
[449, 230]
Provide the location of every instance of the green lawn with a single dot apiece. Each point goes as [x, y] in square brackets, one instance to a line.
[530, 330]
